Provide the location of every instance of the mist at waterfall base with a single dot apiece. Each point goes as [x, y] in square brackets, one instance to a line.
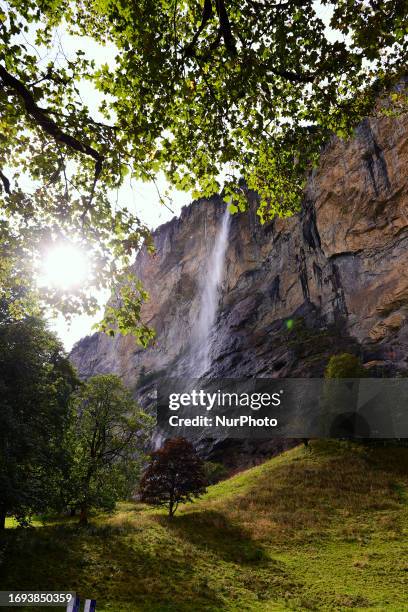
[211, 283]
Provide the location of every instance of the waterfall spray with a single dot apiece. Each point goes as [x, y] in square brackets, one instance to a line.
[200, 358]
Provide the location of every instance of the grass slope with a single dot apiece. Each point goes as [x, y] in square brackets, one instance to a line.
[318, 529]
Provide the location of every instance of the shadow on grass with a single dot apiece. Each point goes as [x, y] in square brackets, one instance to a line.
[120, 571]
[212, 531]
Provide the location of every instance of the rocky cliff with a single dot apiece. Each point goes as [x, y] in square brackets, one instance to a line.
[332, 278]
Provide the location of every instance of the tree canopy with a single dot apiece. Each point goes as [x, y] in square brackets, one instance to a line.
[63, 444]
[36, 382]
[106, 438]
[345, 365]
[175, 475]
[207, 92]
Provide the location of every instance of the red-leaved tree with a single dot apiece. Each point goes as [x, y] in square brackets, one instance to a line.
[174, 475]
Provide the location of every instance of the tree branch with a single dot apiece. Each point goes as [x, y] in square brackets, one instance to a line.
[206, 16]
[224, 30]
[46, 123]
[225, 27]
[6, 182]
[294, 77]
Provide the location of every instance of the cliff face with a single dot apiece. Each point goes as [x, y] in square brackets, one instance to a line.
[333, 278]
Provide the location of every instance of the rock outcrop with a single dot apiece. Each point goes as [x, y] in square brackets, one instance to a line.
[332, 278]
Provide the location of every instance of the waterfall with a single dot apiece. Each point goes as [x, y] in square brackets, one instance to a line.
[200, 355]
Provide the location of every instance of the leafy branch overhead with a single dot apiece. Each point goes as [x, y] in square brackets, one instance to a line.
[196, 90]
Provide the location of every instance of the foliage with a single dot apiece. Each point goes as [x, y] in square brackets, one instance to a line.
[124, 313]
[106, 441]
[345, 365]
[338, 406]
[214, 472]
[175, 475]
[247, 89]
[36, 380]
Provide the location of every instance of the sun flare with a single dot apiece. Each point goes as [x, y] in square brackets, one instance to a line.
[64, 267]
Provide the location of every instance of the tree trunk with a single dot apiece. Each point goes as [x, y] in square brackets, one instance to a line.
[84, 506]
[171, 511]
[2, 520]
[83, 517]
[72, 511]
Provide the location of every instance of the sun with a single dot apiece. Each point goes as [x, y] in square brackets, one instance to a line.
[64, 267]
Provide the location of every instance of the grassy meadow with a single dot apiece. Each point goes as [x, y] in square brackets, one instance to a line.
[318, 528]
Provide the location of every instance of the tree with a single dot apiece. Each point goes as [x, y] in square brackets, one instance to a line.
[339, 406]
[345, 365]
[214, 472]
[245, 88]
[107, 440]
[175, 475]
[36, 381]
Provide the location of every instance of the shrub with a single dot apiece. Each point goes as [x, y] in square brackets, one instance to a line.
[214, 472]
[345, 365]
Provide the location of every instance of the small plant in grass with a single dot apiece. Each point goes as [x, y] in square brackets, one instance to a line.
[174, 475]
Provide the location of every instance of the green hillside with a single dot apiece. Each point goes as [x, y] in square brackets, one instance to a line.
[324, 528]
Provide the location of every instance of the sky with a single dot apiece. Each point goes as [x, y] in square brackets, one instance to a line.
[140, 198]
